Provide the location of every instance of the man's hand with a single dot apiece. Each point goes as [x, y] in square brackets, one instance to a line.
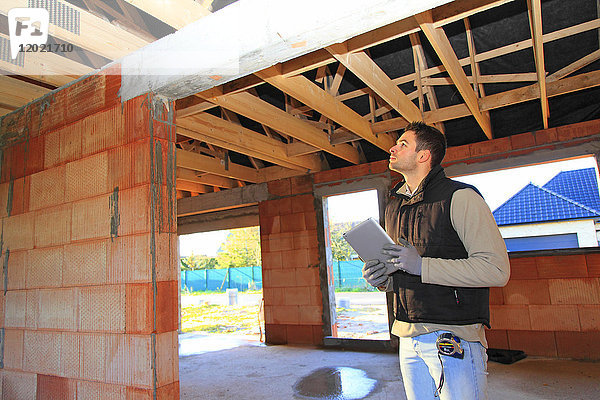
[403, 257]
[375, 273]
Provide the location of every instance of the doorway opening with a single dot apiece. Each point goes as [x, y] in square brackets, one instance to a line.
[358, 311]
[221, 290]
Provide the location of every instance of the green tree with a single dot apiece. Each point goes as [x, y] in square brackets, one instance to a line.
[340, 249]
[198, 261]
[240, 249]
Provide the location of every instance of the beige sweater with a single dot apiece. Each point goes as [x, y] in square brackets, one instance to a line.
[487, 264]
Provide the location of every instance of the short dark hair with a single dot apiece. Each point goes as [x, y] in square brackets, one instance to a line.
[429, 138]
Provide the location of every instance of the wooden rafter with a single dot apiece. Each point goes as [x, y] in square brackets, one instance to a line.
[573, 67]
[205, 179]
[488, 55]
[481, 79]
[441, 44]
[176, 13]
[192, 186]
[233, 118]
[15, 93]
[445, 14]
[419, 56]
[235, 137]
[361, 65]
[337, 80]
[310, 94]
[254, 108]
[503, 99]
[475, 73]
[199, 162]
[122, 16]
[535, 22]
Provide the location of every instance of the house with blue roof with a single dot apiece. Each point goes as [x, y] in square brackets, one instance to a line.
[563, 213]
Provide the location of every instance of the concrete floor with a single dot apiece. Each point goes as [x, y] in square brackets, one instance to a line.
[217, 367]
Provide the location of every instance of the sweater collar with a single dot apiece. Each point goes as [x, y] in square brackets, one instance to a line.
[399, 189]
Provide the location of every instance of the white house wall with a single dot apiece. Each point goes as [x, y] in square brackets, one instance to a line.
[585, 230]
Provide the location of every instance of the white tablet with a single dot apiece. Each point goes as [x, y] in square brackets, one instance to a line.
[367, 239]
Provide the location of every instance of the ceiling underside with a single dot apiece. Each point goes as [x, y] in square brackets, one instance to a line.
[477, 69]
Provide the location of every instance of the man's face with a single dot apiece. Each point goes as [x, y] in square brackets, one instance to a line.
[403, 155]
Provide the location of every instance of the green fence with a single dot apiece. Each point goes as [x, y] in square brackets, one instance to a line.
[347, 274]
[242, 278]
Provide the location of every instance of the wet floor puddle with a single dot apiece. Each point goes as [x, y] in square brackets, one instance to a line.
[338, 383]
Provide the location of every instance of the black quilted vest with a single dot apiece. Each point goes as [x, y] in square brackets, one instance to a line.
[424, 221]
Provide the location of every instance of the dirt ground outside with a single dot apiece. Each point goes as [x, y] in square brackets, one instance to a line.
[360, 315]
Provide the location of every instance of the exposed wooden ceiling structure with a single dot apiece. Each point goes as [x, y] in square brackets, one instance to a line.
[344, 104]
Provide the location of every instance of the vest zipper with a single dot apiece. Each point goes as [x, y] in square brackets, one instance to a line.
[456, 296]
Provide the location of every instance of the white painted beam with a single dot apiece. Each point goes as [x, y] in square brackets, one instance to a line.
[249, 36]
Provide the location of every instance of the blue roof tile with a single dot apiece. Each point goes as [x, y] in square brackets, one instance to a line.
[553, 201]
[579, 185]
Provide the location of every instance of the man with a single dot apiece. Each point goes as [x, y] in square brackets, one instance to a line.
[448, 253]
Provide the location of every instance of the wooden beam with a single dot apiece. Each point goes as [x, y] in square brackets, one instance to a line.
[192, 187]
[511, 48]
[95, 34]
[444, 14]
[205, 179]
[515, 96]
[233, 117]
[254, 108]
[419, 55]
[228, 199]
[417, 64]
[389, 125]
[499, 100]
[208, 128]
[477, 84]
[361, 65]
[321, 101]
[337, 80]
[481, 79]
[443, 48]
[199, 162]
[15, 93]
[191, 105]
[276, 172]
[534, 8]
[176, 13]
[300, 148]
[573, 67]
[457, 10]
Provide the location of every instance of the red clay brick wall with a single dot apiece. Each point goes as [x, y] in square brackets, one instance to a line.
[89, 247]
[290, 260]
[550, 307]
[524, 143]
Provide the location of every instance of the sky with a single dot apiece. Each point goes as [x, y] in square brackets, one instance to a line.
[496, 187]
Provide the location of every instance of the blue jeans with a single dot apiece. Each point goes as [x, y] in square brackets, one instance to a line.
[464, 379]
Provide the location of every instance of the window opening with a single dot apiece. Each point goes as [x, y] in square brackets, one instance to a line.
[553, 205]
